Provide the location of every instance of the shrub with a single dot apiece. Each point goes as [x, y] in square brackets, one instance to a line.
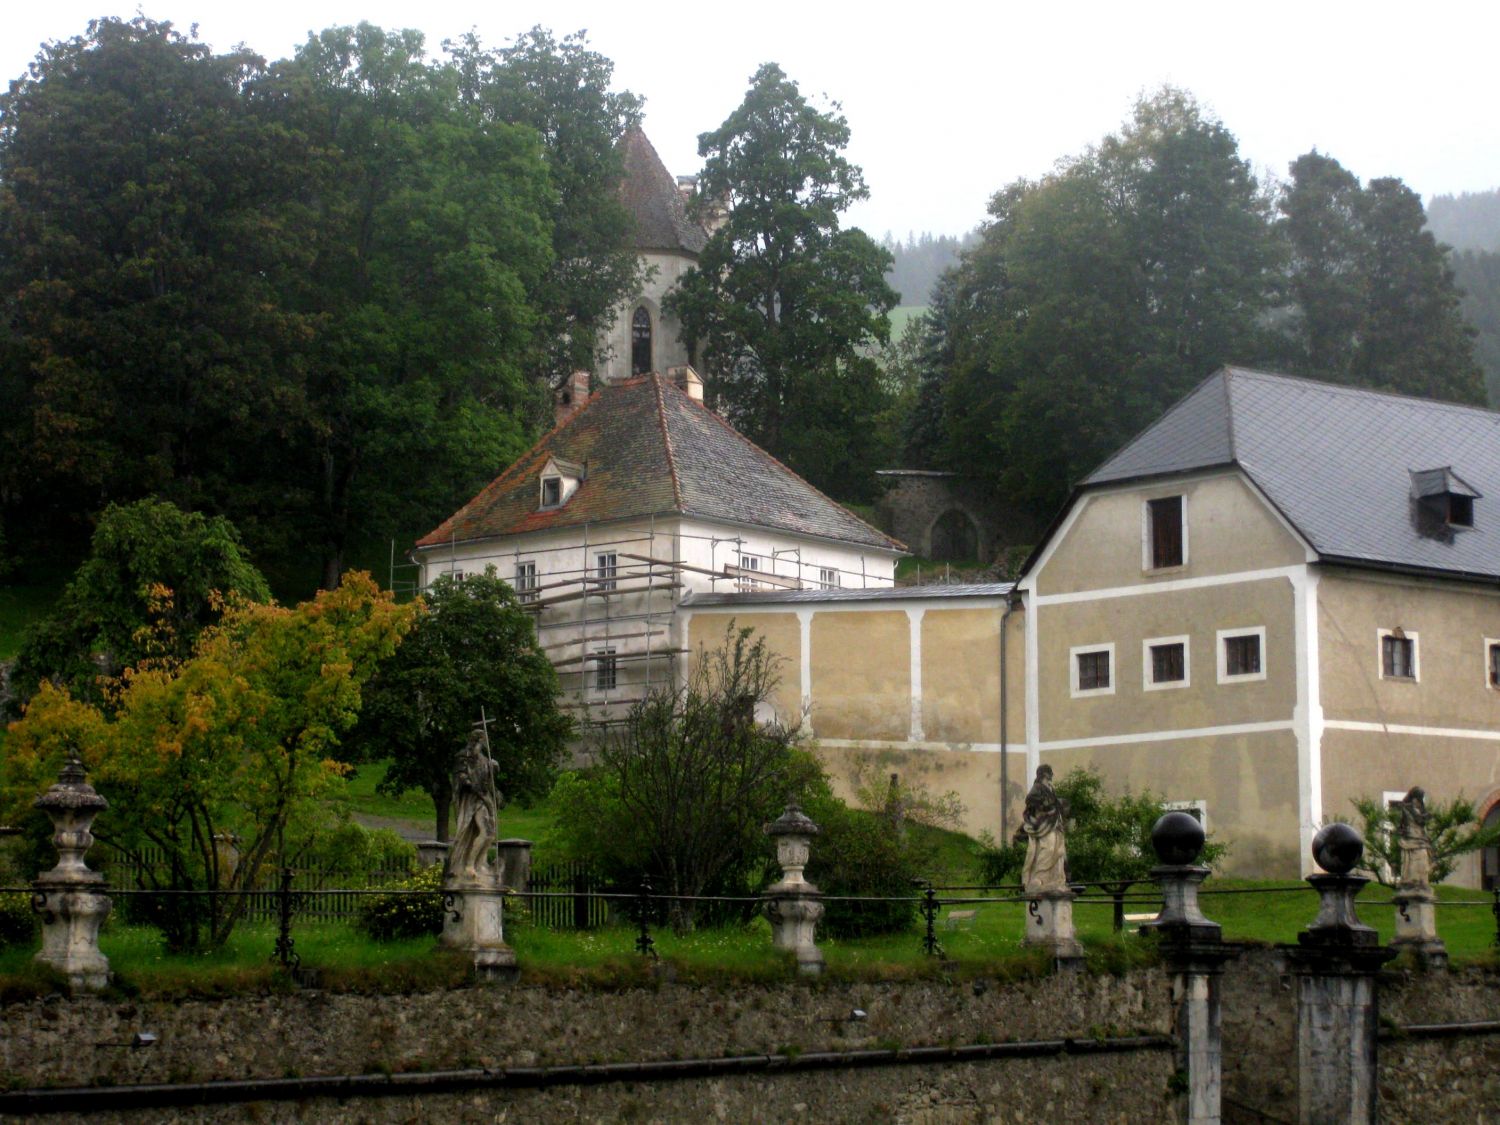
[1452, 827]
[18, 922]
[390, 917]
[355, 849]
[860, 853]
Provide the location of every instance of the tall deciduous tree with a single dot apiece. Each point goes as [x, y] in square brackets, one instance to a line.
[1374, 301]
[783, 301]
[474, 648]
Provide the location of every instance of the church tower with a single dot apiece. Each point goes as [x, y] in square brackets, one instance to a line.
[644, 336]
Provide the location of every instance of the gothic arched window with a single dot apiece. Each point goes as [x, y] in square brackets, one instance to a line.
[640, 342]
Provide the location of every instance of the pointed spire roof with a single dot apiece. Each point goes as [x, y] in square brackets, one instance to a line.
[648, 448]
[656, 207]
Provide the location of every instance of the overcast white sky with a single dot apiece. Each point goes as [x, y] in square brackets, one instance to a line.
[950, 101]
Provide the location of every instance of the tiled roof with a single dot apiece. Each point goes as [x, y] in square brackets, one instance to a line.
[650, 195]
[649, 449]
[1338, 463]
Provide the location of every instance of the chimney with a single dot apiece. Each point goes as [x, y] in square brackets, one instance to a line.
[572, 397]
[688, 379]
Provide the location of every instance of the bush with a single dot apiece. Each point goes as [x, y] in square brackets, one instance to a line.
[355, 849]
[391, 917]
[18, 922]
[860, 853]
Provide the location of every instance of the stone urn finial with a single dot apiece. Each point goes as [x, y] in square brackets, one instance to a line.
[793, 831]
[792, 905]
[70, 897]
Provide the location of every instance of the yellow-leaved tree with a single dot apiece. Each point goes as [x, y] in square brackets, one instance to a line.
[225, 763]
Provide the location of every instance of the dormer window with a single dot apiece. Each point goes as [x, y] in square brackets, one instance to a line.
[1443, 500]
[559, 480]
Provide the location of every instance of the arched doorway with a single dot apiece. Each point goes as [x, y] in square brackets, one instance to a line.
[954, 537]
[1489, 858]
[640, 342]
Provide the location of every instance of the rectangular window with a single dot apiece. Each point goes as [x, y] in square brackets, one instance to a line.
[749, 562]
[526, 583]
[1398, 655]
[1242, 654]
[1091, 670]
[1168, 665]
[605, 669]
[1493, 667]
[1164, 543]
[606, 566]
[828, 579]
[551, 492]
[1197, 809]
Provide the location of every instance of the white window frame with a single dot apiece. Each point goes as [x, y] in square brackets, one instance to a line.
[829, 578]
[1416, 657]
[747, 561]
[1146, 559]
[1083, 650]
[561, 492]
[1148, 666]
[606, 665]
[526, 580]
[1222, 654]
[1489, 643]
[1197, 805]
[606, 570]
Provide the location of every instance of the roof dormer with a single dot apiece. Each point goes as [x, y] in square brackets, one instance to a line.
[559, 480]
[1443, 498]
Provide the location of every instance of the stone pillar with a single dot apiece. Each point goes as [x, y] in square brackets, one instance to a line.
[792, 904]
[70, 898]
[474, 923]
[514, 859]
[1049, 923]
[1195, 954]
[1335, 962]
[1416, 926]
[430, 852]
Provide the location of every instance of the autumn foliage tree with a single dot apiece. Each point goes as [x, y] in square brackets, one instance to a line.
[226, 761]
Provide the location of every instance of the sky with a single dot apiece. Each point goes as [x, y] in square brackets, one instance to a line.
[949, 102]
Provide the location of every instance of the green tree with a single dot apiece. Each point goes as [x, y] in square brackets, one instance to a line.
[237, 746]
[561, 89]
[1095, 298]
[1374, 300]
[1452, 827]
[1477, 274]
[154, 579]
[474, 648]
[783, 302]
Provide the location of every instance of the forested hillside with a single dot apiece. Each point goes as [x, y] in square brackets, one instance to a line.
[919, 260]
[1470, 223]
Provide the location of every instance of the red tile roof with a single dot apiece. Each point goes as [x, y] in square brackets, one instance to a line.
[649, 449]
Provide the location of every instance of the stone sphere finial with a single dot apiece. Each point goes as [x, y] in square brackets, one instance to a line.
[1178, 838]
[1337, 848]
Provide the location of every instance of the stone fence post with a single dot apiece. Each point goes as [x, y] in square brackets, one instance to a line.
[1195, 954]
[70, 898]
[792, 904]
[1335, 961]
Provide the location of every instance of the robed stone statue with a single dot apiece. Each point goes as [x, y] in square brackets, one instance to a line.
[1416, 846]
[1044, 829]
[478, 804]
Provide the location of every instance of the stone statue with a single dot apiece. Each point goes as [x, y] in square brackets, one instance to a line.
[1411, 834]
[478, 806]
[1043, 828]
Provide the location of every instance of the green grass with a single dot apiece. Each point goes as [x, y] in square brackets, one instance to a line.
[414, 809]
[903, 315]
[20, 605]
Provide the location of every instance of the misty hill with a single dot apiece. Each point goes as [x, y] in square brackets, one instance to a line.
[1470, 221]
[921, 260]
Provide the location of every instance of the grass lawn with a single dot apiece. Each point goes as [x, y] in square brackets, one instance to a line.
[414, 810]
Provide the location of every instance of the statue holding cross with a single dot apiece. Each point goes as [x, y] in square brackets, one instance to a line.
[477, 802]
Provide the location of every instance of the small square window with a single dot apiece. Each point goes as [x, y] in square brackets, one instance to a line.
[1492, 663]
[606, 566]
[526, 582]
[1164, 661]
[1398, 654]
[828, 578]
[749, 562]
[1092, 670]
[1165, 542]
[552, 492]
[1242, 654]
[1460, 510]
[606, 668]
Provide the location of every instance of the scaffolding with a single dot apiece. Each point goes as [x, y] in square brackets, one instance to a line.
[605, 606]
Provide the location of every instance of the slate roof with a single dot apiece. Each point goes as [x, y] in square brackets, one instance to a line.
[699, 599]
[650, 449]
[1339, 463]
[656, 207]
